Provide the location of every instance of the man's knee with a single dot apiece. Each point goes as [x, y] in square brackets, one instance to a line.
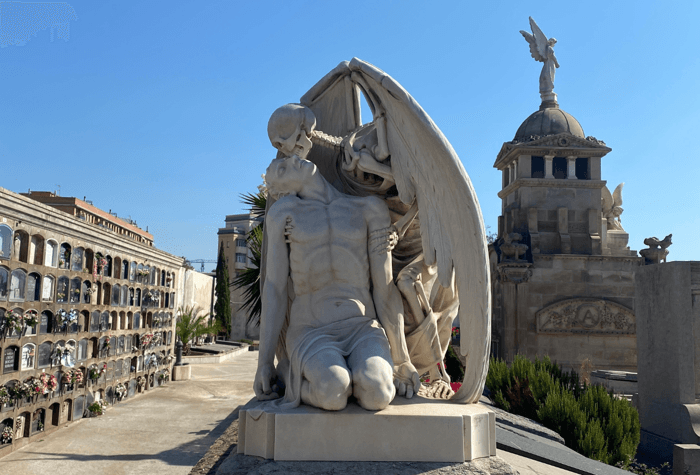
[374, 388]
[331, 391]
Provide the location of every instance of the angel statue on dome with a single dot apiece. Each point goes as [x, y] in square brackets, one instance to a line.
[542, 49]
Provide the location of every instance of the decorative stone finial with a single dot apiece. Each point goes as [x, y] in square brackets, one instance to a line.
[542, 50]
[657, 250]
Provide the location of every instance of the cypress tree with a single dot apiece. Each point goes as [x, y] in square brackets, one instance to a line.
[222, 309]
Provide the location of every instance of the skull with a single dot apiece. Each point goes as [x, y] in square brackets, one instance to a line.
[290, 129]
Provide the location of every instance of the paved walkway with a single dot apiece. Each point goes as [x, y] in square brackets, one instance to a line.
[165, 431]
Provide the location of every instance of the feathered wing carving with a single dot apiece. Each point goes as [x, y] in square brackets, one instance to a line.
[427, 169]
[607, 201]
[537, 41]
[617, 195]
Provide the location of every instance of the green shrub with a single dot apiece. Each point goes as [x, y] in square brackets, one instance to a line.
[453, 365]
[591, 421]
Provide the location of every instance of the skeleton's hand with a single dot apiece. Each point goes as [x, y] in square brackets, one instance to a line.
[406, 380]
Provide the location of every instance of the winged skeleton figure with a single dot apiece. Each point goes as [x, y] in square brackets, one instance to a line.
[440, 262]
[542, 50]
[612, 206]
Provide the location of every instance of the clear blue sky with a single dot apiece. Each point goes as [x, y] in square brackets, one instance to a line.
[158, 110]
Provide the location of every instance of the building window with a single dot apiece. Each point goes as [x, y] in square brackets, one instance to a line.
[559, 168]
[582, 170]
[5, 241]
[46, 288]
[18, 281]
[537, 167]
[241, 258]
[33, 287]
[4, 277]
[240, 243]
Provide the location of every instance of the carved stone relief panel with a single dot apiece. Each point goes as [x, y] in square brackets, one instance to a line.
[584, 315]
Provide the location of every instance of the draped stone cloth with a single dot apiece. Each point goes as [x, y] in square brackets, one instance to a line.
[303, 342]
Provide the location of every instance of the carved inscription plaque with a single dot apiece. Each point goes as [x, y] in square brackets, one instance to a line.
[586, 316]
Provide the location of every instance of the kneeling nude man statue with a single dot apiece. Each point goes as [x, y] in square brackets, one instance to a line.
[345, 325]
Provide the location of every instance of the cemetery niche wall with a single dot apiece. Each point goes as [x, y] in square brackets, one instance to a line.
[82, 305]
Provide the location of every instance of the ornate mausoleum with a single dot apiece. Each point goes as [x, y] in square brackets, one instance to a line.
[562, 273]
[86, 312]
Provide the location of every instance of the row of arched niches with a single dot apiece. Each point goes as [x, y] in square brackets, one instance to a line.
[69, 312]
[62, 273]
[52, 389]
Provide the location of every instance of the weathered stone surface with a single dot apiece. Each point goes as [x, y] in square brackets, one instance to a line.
[239, 464]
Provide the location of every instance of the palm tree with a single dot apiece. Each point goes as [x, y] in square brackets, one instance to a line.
[249, 279]
[190, 326]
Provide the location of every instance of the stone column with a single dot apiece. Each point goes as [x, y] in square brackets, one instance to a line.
[667, 310]
[548, 166]
[571, 173]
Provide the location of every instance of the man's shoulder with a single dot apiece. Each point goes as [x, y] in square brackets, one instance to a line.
[282, 208]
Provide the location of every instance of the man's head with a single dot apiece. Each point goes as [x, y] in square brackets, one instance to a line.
[290, 128]
[288, 175]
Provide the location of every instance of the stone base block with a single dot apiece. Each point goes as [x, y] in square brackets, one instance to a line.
[410, 430]
[686, 459]
[182, 373]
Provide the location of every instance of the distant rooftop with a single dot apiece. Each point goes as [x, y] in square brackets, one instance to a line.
[84, 210]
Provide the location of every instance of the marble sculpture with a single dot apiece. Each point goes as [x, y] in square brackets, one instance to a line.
[373, 244]
[542, 50]
[612, 207]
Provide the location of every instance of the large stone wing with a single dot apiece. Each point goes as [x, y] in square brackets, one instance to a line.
[335, 101]
[426, 168]
[617, 195]
[540, 40]
[534, 52]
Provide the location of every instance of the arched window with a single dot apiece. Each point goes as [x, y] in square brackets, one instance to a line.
[18, 282]
[123, 296]
[83, 349]
[45, 352]
[162, 278]
[87, 291]
[28, 356]
[33, 287]
[110, 370]
[62, 289]
[64, 255]
[5, 241]
[132, 271]
[20, 246]
[75, 286]
[47, 288]
[131, 297]
[170, 337]
[121, 347]
[153, 276]
[89, 260]
[77, 259]
[139, 273]
[95, 321]
[10, 359]
[73, 326]
[168, 279]
[118, 365]
[46, 322]
[139, 364]
[107, 293]
[51, 255]
[127, 366]
[137, 300]
[125, 269]
[36, 250]
[38, 420]
[116, 288]
[4, 279]
[107, 270]
[137, 320]
[167, 300]
[31, 330]
[104, 322]
[117, 268]
[127, 343]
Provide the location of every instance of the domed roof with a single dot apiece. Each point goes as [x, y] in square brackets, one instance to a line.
[549, 121]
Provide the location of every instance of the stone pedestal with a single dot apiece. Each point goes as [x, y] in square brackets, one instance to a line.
[686, 459]
[182, 373]
[412, 430]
